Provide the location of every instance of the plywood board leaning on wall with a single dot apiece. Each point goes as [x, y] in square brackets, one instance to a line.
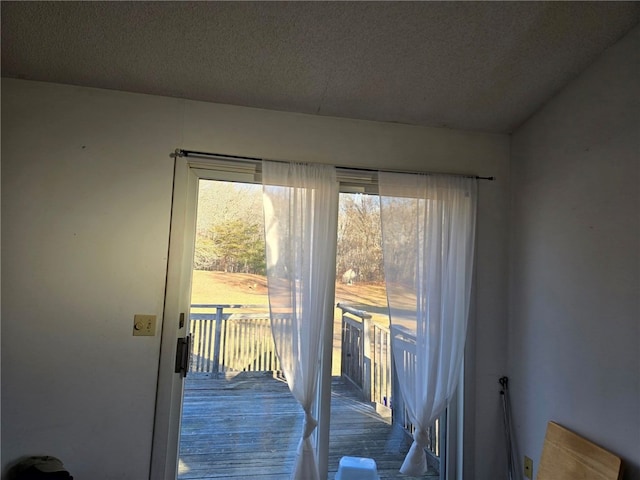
[568, 456]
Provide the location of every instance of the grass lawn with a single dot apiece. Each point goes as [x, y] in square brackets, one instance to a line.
[228, 288]
[248, 289]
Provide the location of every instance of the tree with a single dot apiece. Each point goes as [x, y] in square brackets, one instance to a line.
[229, 228]
[238, 247]
[359, 237]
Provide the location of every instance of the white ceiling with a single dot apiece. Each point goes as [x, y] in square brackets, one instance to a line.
[470, 65]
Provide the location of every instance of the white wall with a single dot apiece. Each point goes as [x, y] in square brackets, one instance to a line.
[574, 337]
[86, 192]
[86, 182]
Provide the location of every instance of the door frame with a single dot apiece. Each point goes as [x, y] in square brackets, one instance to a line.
[168, 411]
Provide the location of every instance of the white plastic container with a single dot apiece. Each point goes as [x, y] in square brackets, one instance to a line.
[357, 468]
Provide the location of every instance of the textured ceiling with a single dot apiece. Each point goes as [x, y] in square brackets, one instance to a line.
[483, 66]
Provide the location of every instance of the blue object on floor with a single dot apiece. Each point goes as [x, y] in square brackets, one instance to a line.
[357, 468]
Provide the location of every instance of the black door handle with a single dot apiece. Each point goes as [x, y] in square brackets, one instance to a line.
[183, 352]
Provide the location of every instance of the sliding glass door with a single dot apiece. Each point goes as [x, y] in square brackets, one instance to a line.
[234, 415]
[364, 385]
[238, 417]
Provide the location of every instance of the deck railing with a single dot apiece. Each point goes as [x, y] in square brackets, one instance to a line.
[227, 341]
[368, 363]
[366, 355]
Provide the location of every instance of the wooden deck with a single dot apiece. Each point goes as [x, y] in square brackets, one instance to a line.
[249, 427]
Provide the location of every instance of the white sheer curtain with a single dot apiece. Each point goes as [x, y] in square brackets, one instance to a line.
[301, 216]
[428, 232]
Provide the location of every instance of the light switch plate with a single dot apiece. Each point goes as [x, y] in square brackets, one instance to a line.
[528, 467]
[144, 325]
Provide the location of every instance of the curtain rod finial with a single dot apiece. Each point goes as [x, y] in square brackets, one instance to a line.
[178, 152]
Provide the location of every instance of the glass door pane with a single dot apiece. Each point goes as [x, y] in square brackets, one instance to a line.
[367, 418]
[239, 419]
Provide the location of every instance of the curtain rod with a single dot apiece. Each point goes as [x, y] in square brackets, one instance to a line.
[195, 154]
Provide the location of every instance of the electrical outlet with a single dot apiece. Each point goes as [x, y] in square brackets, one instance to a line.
[528, 467]
[144, 325]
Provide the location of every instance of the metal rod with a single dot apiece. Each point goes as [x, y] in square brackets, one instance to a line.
[191, 153]
[506, 415]
[195, 154]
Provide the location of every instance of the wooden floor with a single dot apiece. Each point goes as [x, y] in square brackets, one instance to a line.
[249, 427]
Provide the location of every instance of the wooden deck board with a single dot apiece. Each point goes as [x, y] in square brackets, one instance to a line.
[249, 427]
